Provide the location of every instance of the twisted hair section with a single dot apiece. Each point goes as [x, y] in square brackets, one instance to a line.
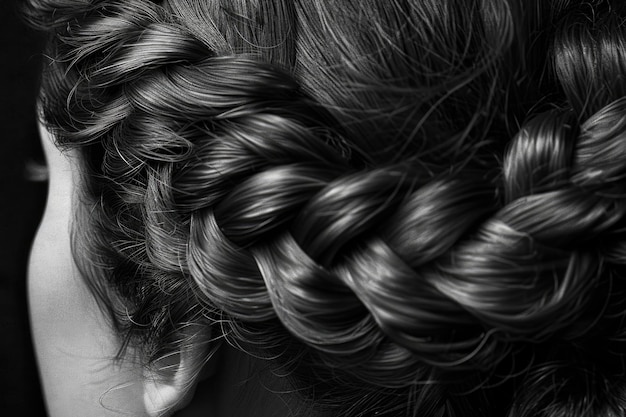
[414, 207]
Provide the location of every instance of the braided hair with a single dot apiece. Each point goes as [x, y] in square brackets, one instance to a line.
[411, 208]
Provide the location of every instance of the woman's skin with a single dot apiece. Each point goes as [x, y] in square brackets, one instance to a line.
[74, 345]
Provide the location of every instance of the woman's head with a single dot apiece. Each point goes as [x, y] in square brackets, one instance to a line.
[401, 207]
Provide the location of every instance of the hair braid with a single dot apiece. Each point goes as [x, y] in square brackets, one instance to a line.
[319, 215]
[355, 204]
[571, 201]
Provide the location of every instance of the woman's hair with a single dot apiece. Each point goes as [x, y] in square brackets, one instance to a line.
[408, 207]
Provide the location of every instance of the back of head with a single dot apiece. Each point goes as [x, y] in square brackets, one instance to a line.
[408, 207]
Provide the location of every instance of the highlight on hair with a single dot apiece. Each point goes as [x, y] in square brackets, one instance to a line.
[409, 207]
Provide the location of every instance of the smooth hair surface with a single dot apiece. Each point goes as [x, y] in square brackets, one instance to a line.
[407, 207]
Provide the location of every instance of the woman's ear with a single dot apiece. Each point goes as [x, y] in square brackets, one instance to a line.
[169, 384]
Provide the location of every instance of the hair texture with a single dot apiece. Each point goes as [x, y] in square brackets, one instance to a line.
[409, 207]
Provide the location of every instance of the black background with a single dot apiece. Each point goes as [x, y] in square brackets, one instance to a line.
[21, 205]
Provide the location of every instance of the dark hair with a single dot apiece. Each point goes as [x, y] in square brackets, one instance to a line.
[411, 207]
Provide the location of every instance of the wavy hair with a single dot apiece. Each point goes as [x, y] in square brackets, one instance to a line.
[411, 207]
